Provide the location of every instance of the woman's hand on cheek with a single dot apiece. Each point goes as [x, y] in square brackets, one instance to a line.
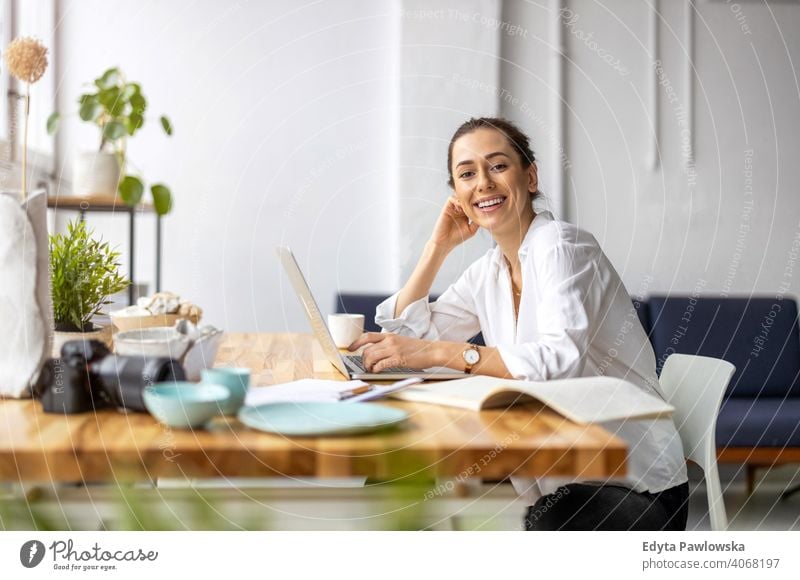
[453, 226]
[383, 351]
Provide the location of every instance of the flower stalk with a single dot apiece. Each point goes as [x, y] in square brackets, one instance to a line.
[26, 58]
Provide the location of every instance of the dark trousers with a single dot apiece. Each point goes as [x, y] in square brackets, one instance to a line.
[579, 506]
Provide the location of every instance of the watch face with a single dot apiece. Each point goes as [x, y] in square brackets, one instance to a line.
[472, 356]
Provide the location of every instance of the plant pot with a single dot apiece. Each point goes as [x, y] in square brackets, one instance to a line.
[102, 333]
[25, 306]
[96, 174]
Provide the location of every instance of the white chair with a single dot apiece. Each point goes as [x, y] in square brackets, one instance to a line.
[695, 385]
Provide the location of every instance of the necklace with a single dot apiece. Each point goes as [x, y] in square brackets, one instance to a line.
[517, 292]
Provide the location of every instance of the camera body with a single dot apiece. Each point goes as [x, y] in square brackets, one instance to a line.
[88, 377]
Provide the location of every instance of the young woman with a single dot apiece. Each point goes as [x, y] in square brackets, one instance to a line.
[550, 305]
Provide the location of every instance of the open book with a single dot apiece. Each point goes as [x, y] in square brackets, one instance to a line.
[582, 400]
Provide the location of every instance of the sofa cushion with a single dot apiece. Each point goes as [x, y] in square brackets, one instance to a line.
[758, 335]
[366, 304]
[762, 422]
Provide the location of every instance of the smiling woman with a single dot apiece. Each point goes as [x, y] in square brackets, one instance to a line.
[550, 305]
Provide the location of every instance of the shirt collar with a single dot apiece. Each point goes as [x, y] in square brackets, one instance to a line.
[541, 219]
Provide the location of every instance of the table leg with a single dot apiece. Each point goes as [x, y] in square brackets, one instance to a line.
[158, 253]
[132, 241]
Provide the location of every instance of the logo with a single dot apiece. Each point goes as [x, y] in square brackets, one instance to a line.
[31, 553]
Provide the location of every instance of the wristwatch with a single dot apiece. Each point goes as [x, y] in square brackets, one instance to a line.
[471, 357]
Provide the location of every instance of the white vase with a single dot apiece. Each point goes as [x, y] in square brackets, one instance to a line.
[25, 302]
[96, 173]
[103, 334]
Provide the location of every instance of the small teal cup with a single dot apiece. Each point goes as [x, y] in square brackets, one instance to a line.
[235, 379]
[184, 405]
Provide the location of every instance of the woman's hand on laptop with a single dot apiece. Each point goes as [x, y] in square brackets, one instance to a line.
[384, 351]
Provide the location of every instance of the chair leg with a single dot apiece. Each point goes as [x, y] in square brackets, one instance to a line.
[792, 490]
[717, 515]
[751, 478]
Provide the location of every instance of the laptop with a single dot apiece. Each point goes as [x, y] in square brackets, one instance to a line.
[349, 365]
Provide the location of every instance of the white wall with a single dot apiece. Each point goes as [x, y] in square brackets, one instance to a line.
[325, 126]
[665, 228]
[447, 48]
[281, 113]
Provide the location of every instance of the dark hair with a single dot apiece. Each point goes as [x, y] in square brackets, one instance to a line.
[518, 140]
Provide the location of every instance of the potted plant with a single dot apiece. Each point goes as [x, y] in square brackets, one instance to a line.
[84, 272]
[118, 109]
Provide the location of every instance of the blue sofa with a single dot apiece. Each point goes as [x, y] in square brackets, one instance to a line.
[759, 421]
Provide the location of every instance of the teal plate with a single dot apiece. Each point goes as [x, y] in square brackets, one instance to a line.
[318, 419]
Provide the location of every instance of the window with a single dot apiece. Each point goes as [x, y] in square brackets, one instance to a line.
[27, 18]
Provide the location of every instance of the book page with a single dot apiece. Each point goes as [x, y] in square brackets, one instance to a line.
[594, 399]
[466, 393]
[583, 400]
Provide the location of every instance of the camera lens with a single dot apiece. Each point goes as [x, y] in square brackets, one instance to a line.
[89, 350]
[124, 378]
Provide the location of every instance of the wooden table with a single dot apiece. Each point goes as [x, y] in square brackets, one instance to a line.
[435, 442]
[113, 204]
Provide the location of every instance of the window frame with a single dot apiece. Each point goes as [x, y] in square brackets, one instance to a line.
[41, 164]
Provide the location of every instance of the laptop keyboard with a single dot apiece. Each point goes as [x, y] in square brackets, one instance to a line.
[356, 361]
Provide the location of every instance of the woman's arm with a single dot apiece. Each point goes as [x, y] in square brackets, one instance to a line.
[393, 350]
[450, 354]
[568, 314]
[451, 229]
[421, 280]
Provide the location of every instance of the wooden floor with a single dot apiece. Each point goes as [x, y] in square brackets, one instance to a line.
[764, 510]
[347, 505]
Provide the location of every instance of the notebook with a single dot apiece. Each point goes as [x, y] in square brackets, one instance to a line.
[582, 400]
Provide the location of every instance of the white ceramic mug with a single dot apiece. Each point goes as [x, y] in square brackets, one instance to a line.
[345, 328]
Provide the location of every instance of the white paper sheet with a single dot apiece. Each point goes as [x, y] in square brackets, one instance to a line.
[303, 391]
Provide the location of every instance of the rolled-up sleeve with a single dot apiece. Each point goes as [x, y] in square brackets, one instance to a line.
[451, 317]
[569, 295]
[414, 321]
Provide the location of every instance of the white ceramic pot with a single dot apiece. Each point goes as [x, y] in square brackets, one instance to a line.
[96, 173]
[158, 341]
[103, 334]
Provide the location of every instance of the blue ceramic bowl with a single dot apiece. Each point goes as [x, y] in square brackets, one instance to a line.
[184, 405]
[236, 379]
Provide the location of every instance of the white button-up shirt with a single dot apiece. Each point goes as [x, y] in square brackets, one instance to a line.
[575, 320]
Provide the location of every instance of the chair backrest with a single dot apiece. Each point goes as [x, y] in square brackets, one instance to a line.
[366, 304]
[758, 335]
[695, 386]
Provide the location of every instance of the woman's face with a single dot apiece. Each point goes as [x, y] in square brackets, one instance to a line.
[493, 188]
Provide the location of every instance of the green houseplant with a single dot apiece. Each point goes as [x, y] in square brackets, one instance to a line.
[117, 107]
[84, 272]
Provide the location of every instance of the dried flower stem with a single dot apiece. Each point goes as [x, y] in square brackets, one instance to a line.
[25, 143]
[27, 61]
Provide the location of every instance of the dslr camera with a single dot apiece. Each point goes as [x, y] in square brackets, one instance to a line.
[88, 377]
